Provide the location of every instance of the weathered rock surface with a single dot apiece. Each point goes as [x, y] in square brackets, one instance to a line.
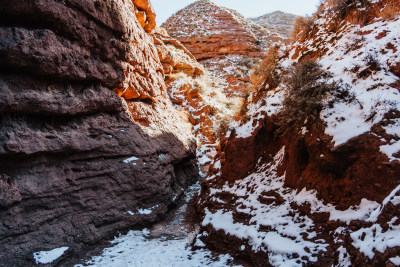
[174, 56]
[208, 31]
[227, 44]
[77, 162]
[145, 14]
[322, 195]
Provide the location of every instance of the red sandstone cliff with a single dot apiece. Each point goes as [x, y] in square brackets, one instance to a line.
[77, 161]
[225, 42]
[196, 94]
[324, 191]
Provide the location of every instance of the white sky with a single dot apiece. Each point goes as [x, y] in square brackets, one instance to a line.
[249, 8]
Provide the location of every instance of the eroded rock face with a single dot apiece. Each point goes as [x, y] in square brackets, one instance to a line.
[78, 162]
[174, 56]
[145, 14]
[196, 94]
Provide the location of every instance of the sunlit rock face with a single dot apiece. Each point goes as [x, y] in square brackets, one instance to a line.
[89, 137]
[227, 44]
[208, 31]
[196, 94]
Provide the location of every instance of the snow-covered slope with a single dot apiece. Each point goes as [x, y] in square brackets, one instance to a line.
[328, 193]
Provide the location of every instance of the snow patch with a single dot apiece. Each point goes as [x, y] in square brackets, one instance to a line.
[371, 239]
[129, 160]
[46, 257]
[143, 211]
[395, 260]
[344, 258]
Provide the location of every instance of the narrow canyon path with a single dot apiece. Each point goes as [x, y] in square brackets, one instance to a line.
[170, 242]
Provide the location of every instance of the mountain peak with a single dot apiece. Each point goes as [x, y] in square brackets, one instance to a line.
[208, 30]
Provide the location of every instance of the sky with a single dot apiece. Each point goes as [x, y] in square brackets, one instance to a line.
[250, 8]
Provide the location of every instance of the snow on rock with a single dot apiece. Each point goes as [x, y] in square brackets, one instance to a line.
[290, 232]
[375, 95]
[46, 257]
[344, 257]
[288, 235]
[395, 260]
[272, 207]
[349, 58]
[130, 160]
[277, 21]
[208, 30]
[390, 198]
[371, 239]
[143, 211]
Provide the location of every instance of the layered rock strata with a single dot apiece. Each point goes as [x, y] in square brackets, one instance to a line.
[77, 162]
[224, 41]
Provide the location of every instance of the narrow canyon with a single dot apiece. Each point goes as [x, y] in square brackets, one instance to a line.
[210, 140]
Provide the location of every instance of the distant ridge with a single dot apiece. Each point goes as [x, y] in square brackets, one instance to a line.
[279, 21]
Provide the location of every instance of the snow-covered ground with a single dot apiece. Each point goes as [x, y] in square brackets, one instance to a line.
[137, 248]
[165, 244]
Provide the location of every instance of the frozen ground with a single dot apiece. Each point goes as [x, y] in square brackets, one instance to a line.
[168, 243]
[137, 248]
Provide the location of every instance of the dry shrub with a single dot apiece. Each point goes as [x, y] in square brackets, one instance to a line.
[309, 90]
[363, 12]
[354, 11]
[391, 10]
[303, 26]
[340, 8]
[222, 128]
[264, 76]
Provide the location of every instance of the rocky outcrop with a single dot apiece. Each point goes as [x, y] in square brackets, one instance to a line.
[327, 192]
[174, 56]
[77, 162]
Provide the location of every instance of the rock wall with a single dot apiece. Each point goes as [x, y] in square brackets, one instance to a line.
[77, 162]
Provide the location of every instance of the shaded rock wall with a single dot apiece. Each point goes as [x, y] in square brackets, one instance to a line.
[74, 156]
